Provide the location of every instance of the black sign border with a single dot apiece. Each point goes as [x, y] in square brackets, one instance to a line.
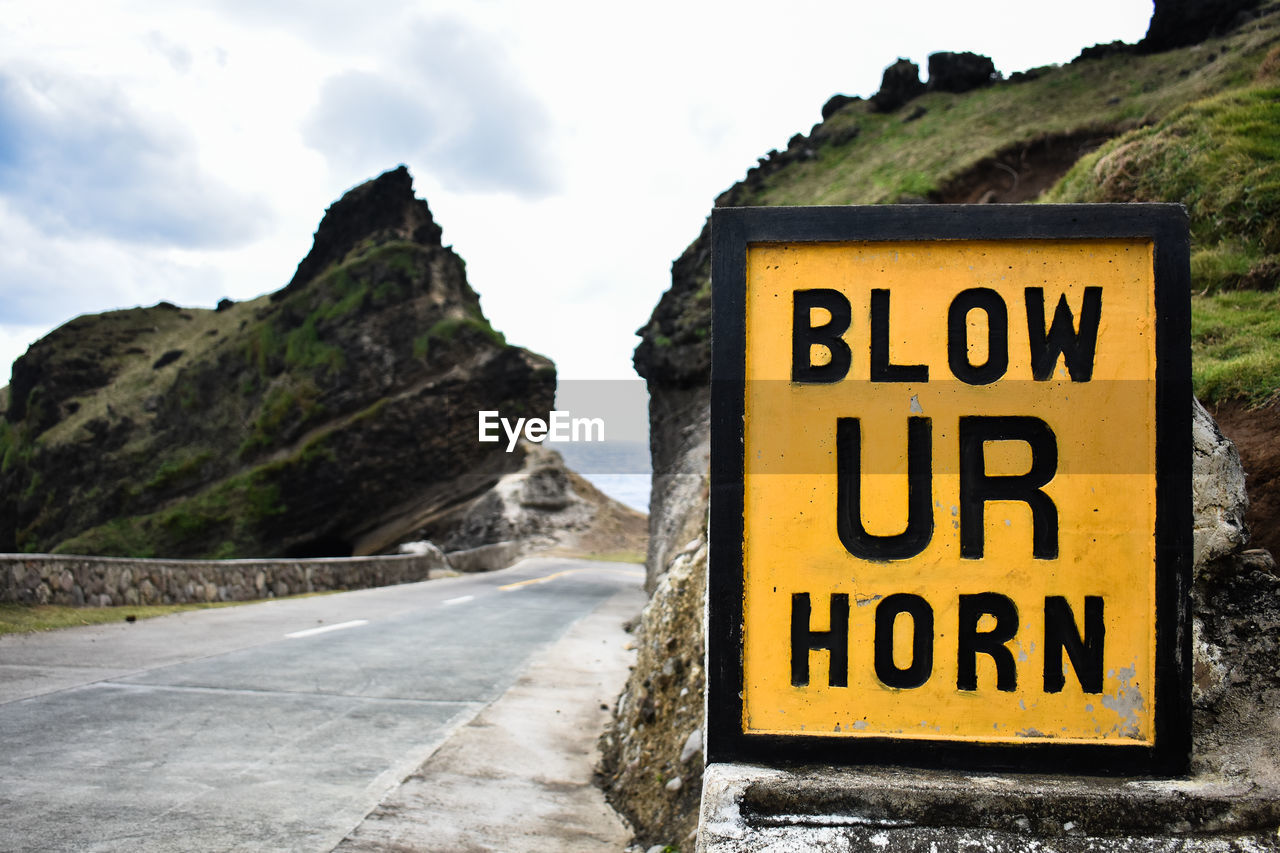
[732, 231]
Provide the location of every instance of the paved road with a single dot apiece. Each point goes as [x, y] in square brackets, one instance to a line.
[274, 726]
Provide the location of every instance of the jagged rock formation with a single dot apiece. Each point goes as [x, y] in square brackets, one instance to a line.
[1178, 23]
[901, 83]
[327, 419]
[836, 102]
[1024, 135]
[959, 72]
[948, 72]
[374, 213]
[543, 505]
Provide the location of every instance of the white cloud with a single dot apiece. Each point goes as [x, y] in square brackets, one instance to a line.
[14, 340]
[364, 120]
[76, 159]
[451, 102]
[333, 25]
[47, 279]
[178, 57]
[569, 149]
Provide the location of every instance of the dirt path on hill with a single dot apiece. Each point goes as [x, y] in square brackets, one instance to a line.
[1256, 434]
[1022, 171]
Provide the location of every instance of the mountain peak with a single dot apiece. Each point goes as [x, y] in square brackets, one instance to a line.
[377, 211]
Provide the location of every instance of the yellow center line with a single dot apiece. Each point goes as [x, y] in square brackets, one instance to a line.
[552, 577]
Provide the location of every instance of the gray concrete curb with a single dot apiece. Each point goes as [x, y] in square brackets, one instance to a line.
[748, 808]
[519, 776]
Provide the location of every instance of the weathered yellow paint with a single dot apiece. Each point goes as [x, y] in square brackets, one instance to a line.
[1104, 490]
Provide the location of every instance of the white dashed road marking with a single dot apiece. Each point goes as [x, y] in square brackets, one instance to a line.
[310, 632]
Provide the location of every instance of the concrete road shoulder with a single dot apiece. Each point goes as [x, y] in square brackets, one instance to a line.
[519, 776]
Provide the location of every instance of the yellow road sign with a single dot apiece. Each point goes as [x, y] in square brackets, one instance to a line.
[950, 512]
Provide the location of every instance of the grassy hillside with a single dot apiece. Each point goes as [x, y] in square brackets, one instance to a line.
[1198, 125]
[286, 425]
[1219, 156]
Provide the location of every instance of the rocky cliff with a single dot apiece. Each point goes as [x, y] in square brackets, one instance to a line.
[1205, 113]
[334, 417]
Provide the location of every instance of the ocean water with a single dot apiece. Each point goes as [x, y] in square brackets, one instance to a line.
[620, 469]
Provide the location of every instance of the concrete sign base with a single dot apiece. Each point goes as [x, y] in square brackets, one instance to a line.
[1229, 802]
[750, 808]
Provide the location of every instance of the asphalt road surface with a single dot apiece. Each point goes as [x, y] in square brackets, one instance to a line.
[272, 726]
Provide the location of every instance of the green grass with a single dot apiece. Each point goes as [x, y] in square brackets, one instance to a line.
[184, 467]
[31, 618]
[1224, 265]
[280, 344]
[349, 284]
[343, 294]
[312, 346]
[33, 485]
[205, 497]
[10, 449]
[263, 348]
[285, 409]
[217, 523]
[1236, 346]
[1220, 157]
[399, 256]
[889, 159]
[125, 536]
[304, 350]
[389, 291]
[449, 328]
[1200, 127]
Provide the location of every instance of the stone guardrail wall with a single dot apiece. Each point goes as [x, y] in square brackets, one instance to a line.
[106, 581]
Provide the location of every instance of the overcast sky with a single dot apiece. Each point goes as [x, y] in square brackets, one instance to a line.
[570, 150]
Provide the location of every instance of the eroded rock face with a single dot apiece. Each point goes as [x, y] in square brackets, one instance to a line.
[539, 506]
[656, 738]
[1236, 682]
[1235, 606]
[675, 349]
[320, 421]
[1218, 486]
